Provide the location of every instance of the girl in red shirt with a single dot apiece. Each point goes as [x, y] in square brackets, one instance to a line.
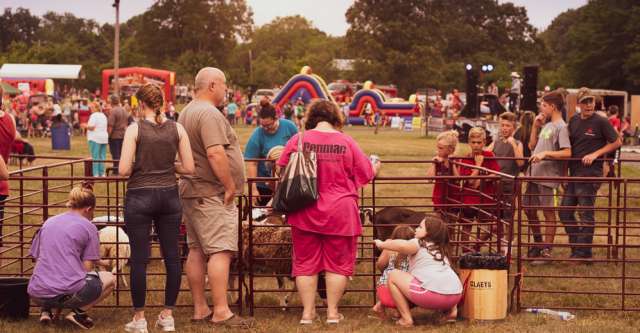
[444, 191]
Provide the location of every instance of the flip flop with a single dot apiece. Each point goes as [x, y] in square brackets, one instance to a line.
[336, 320]
[309, 321]
[204, 319]
[403, 325]
[235, 322]
[377, 315]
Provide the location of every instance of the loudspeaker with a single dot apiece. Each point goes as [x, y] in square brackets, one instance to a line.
[530, 89]
[471, 108]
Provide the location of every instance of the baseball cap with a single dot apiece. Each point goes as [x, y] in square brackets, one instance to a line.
[584, 94]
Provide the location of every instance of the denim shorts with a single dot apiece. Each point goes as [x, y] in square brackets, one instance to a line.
[83, 297]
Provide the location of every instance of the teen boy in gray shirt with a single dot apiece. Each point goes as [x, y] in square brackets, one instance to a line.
[548, 143]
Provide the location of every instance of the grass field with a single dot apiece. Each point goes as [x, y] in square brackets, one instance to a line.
[393, 145]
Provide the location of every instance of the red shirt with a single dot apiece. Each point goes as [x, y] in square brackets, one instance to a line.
[83, 116]
[615, 122]
[488, 188]
[444, 191]
[342, 169]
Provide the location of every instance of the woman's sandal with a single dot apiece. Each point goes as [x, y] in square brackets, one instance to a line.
[309, 321]
[450, 317]
[380, 315]
[204, 319]
[235, 321]
[398, 323]
[335, 320]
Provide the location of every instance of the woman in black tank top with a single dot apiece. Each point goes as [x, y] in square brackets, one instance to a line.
[149, 157]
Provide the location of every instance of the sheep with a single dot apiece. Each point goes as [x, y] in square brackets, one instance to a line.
[269, 235]
[114, 242]
[273, 235]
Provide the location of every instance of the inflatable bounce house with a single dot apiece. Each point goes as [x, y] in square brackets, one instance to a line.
[377, 101]
[305, 86]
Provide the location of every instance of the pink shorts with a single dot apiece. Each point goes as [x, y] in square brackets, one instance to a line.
[384, 296]
[314, 253]
[431, 300]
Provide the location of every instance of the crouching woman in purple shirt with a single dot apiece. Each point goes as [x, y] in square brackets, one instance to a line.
[66, 250]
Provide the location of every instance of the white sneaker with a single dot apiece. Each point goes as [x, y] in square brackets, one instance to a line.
[166, 323]
[136, 326]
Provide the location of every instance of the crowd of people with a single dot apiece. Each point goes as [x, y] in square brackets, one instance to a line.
[212, 173]
[584, 143]
[199, 144]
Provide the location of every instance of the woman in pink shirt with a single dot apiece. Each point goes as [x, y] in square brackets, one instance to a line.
[325, 234]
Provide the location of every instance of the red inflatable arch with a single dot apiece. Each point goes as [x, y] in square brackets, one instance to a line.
[168, 77]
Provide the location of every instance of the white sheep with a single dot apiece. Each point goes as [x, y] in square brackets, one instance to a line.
[114, 244]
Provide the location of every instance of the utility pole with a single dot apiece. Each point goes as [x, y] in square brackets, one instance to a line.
[116, 50]
[250, 67]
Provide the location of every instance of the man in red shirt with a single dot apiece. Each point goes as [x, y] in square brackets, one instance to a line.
[476, 191]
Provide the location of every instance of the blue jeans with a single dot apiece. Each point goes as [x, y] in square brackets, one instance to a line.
[83, 297]
[98, 152]
[579, 232]
[115, 147]
[162, 208]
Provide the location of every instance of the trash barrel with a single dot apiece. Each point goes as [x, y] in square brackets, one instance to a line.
[485, 281]
[14, 299]
[61, 137]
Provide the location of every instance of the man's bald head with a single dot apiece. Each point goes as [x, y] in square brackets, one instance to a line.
[206, 76]
[211, 85]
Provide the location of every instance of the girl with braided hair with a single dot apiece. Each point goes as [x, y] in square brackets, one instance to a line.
[148, 156]
[431, 283]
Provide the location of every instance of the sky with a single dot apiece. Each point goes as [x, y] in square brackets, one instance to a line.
[327, 15]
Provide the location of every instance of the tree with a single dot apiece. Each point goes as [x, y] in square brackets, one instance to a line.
[597, 45]
[171, 30]
[281, 47]
[17, 26]
[415, 43]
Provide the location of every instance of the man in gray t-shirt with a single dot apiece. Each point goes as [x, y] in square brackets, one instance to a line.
[548, 143]
[116, 126]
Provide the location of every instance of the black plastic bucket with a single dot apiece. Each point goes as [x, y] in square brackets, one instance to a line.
[14, 299]
[483, 261]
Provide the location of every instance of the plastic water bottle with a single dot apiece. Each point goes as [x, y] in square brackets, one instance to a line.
[374, 159]
[562, 315]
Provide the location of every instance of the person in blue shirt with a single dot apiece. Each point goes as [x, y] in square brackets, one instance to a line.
[272, 132]
[231, 112]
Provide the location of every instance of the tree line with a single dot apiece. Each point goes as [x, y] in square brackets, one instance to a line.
[412, 43]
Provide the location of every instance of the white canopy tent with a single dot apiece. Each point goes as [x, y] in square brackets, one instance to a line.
[40, 71]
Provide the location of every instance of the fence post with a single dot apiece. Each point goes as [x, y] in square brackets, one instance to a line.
[250, 245]
[240, 252]
[518, 275]
[45, 194]
[501, 208]
[616, 240]
[624, 247]
[610, 245]
[21, 218]
[88, 168]
[373, 246]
